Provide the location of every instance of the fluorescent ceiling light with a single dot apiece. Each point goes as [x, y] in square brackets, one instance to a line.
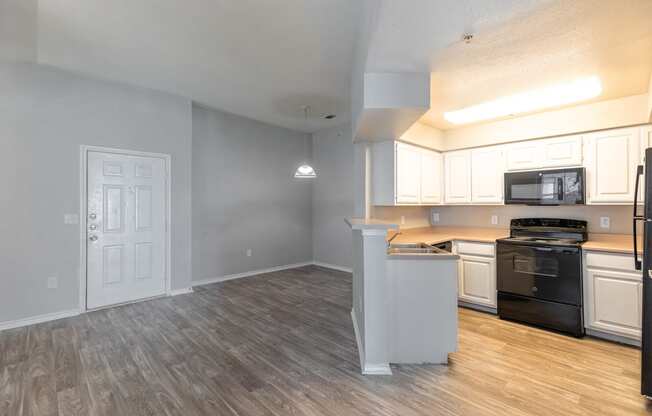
[548, 97]
[305, 171]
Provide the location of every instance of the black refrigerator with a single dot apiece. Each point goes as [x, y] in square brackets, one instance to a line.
[644, 216]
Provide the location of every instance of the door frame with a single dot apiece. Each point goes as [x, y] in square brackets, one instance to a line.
[83, 217]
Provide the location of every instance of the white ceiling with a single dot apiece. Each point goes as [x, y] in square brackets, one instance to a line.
[518, 45]
[263, 59]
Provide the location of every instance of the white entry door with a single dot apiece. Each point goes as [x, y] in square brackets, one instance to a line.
[126, 228]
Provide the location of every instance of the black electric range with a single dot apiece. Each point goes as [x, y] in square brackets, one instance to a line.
[539, 273]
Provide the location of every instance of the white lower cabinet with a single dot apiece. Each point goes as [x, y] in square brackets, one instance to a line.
[476, 274]
[613, 297]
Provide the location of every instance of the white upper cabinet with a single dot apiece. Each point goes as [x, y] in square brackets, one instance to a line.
[611, 158]
[523, 156]
[562, 151]
[403, 174]
[646, 141]
[431, 177]
[487, 169]
[457, 174]
[542, 154]
[408, 174]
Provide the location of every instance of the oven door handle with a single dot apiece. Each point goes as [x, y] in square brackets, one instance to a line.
[560, 191]
[637, 263]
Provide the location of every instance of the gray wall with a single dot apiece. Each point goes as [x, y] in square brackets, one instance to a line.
[333, 196]
[45, 115]
[245, 196]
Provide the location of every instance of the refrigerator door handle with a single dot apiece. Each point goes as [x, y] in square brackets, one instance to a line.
[636, 217]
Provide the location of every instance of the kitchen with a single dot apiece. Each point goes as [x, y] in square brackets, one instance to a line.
[541, 227]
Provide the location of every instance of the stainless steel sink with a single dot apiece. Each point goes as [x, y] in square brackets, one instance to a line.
[413, 248]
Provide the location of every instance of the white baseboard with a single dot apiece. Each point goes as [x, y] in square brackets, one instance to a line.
[333, 266]
[377, 370]
[66, 314]
[218, 279]
[183, 291]
[38, 319]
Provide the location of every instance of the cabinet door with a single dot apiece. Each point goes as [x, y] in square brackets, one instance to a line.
[614, 302]
[431, 174]
[562, 151]
[457, 177]
[646, 141]
[408, 173]
[477, 280]
[611, 160]
[487, 169]
[525, 155]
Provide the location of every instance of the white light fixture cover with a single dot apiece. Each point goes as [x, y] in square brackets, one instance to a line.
[548, 97]
[305, 171]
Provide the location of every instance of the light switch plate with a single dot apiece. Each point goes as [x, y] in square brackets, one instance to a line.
[402, 219]
[71, 219]
[494, 220]
[249, 252]
[435, 217]
[605, 222]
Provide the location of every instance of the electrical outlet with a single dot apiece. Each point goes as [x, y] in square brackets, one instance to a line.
[249, 252]
[71, 219]
[494, 220]
[605, 222]
[435, 217]
[53, 282]
[402, 219]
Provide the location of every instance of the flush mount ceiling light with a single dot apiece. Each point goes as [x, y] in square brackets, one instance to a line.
[548, 97]
[305, 171]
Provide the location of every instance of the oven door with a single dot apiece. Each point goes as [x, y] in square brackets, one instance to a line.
[542, 272]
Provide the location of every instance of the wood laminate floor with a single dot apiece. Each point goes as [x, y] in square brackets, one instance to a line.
[283, 344]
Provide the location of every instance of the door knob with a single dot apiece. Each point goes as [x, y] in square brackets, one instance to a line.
[93, 238]
[92, 216]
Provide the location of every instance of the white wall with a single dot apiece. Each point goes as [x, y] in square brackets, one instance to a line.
[45, 115]
[582, 118]
[424, 135]
[244, 195]
[333, 194]
[18, 30]
[480, 216]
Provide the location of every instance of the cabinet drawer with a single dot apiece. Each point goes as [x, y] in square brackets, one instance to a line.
[624, 262]
[476, 249]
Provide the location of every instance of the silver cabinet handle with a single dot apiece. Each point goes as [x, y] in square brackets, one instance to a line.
[93, 227]
[93, 238]
[92, 216]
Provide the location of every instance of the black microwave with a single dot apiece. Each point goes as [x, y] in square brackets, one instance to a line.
[545, 187]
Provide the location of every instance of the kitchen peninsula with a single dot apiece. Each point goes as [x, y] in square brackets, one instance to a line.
[404, 300]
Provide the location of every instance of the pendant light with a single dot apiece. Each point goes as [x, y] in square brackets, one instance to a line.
[305, 170]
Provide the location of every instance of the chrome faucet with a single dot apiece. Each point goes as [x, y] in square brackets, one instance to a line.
[389, 242]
